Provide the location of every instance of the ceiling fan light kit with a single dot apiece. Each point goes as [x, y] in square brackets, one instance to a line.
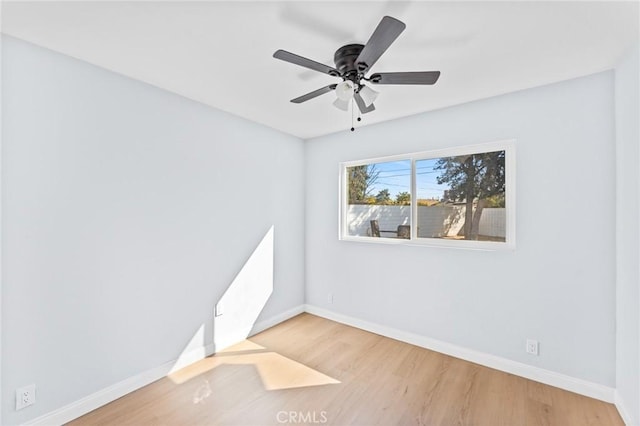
[342, 104]
[368, 95]
[353, 62]
[345, 90]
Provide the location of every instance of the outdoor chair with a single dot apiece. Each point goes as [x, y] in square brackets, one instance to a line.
[403, 231]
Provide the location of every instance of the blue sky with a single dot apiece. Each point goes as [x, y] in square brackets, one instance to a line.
[396, 177]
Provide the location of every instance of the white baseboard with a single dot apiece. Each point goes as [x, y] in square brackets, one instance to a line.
[275, 320]
[192, 356]
[562, 381]
[231, 337]
[624, 413]
[96, 400]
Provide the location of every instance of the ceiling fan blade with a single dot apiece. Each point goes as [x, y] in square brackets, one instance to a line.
[385, 33]
[419, 77]
[361, 105]
[315, 93]
[304, 62]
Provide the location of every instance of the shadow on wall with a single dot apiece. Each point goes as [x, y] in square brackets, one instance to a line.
[235, 314]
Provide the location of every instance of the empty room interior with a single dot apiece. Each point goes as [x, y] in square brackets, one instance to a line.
[318, 212]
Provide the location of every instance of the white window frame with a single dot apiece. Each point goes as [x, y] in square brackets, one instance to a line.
[508, 146]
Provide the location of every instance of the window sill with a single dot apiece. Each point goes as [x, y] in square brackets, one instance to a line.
[435, 243]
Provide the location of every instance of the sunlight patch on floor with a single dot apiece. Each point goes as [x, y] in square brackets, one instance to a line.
[244, 346]
[276, 371]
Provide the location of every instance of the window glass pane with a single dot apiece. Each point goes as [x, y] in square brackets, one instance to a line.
[379, 200]
[462, 197]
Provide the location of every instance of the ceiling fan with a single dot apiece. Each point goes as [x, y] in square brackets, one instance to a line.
[353, 62]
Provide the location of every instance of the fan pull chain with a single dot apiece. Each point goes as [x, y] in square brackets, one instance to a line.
[352, 111]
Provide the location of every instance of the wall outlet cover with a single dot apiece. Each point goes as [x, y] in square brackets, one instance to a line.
[25, 396]
[532, 347]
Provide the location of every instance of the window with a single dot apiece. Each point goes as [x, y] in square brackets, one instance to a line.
[459, 197]
[378, 198]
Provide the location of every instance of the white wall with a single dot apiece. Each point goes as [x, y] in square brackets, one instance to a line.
[628, 236]
[127, 212]
[558, 286]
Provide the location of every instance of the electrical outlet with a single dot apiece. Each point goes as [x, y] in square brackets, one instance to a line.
[532, 347]
[219, 309]
[25, 396]
[330, 298]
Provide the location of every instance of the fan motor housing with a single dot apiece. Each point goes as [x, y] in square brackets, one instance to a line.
[345, 58]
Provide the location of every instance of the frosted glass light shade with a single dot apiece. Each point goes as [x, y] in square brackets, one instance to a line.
[368, 95]
[344, 90]
[341, 104]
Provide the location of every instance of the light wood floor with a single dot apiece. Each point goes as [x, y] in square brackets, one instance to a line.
[309, 370]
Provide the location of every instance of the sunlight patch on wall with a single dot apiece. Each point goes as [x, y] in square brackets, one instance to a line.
[237, 310]
[239, 307]
[195, 350]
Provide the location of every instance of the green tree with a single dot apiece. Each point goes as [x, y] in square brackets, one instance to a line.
[403, 198]
[497, 200]
[360, 181]
[473, 177]
[383, 197]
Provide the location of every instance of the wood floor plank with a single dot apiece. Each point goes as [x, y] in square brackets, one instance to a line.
[310, 370]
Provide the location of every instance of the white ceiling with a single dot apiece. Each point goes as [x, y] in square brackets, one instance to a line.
[220, 53]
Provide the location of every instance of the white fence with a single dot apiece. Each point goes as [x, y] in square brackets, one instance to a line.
[435, 221]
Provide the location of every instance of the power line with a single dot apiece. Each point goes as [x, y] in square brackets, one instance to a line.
[403, 175]
[434, 184]
[404, 170]
[407, 174]
[392, 184]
